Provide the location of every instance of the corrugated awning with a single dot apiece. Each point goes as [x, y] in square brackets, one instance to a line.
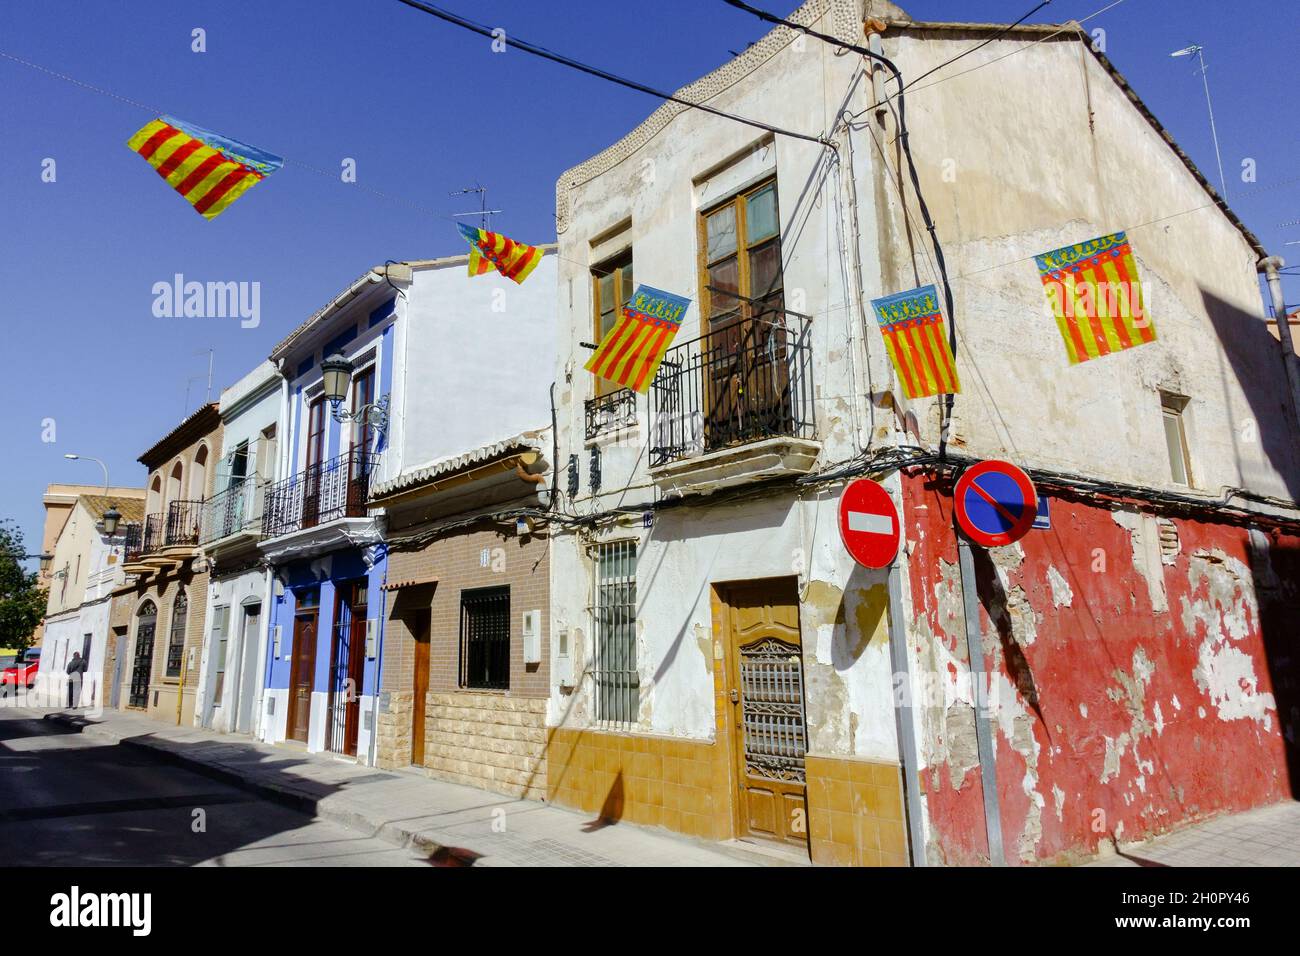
[410, 583]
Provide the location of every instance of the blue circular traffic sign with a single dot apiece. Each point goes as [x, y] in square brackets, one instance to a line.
[995, 503]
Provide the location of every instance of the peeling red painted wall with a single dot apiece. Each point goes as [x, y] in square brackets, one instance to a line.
[1146, 680]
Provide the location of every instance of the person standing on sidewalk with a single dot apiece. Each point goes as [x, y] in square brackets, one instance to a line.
[76, 667]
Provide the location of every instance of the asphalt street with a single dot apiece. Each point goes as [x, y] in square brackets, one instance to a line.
[70, 800]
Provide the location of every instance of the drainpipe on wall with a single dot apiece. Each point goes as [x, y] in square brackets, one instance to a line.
[1270, 266]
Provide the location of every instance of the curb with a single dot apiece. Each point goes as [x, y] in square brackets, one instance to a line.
[276, 793]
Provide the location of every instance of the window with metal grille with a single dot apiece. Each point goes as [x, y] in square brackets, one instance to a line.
[614, 673]
[485, 638]
[176, 635]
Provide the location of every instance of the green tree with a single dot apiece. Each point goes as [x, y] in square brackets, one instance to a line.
[22, 599]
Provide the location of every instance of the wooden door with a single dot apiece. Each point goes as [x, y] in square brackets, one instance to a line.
[302, 671]
[419, 625]
[347, 667]
[765, 693]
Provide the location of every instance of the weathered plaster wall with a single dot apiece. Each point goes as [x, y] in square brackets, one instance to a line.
[1142, 676]
[1043, 149]
[648, 190]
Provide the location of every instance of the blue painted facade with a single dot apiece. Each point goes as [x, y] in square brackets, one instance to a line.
[330, 560]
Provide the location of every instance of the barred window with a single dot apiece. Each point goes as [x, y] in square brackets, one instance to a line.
[485, 638]
[176, 635]
[617, 687]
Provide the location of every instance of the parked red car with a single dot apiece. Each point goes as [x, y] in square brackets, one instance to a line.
[21, 673]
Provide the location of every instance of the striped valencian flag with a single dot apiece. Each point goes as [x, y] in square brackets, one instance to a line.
[631, 351]
[1095, 294]
[210, 170]
[914, 334]
[491, 250]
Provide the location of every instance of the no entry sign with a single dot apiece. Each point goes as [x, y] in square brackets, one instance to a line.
[869, 523]
[995, 503]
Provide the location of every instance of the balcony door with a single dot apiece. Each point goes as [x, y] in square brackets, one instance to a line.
[744, 347]
[363, 445]
[312, 473]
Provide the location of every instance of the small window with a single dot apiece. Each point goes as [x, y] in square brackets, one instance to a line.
[614, 669]
[176, 635]
[1180, 464]
[485, 638]
[613, 286]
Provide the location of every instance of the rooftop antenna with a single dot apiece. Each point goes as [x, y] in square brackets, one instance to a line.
[1198, 51]
[484, 213]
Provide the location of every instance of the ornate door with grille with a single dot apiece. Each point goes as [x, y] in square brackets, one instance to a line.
[142, 665]
[766, 697]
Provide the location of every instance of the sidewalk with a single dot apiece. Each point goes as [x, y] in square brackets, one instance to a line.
[1269, 836]
[453, 824]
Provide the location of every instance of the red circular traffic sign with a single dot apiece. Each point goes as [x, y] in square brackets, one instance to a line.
[869, 523]
[995, 503]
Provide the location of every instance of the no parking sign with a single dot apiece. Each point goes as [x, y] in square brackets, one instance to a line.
[995, 503]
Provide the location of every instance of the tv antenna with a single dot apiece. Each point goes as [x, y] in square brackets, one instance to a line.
[484, 213]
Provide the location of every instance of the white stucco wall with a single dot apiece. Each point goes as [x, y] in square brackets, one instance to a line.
[475, 360]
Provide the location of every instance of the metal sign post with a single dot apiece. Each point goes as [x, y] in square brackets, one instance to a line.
[980, 691]
[909, 755]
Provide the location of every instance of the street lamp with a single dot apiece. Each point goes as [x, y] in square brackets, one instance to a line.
[337, 372]
[71, 457]
[46, 560]
[111, 517]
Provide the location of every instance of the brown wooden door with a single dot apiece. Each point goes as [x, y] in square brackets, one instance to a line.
[302, 672]
[419, 624]
[765, 693]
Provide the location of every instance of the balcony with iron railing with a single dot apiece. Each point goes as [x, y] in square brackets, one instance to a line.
[164, 537]
[322, 493]
[735, 404]
[234, 511]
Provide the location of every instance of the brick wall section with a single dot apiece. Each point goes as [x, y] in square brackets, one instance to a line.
[493, 739]
[488, 740]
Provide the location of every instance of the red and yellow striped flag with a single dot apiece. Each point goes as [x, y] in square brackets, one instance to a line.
[491, 250]
[631, 351]
[210, 170]
[913, 329]
[1095, 294]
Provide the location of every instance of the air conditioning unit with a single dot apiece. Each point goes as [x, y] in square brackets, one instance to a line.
[563, 660]
[532, 633]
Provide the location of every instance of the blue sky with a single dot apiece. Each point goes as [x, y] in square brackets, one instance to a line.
[424, 109]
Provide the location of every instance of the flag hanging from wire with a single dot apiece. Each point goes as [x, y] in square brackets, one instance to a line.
[491, 250]
[631, 351]
[1095, 294]
[210, 170]
[915, 337]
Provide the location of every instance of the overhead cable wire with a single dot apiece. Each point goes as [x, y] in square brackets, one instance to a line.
[539, 51]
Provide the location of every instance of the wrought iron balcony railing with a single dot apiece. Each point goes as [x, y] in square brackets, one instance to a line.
[610, 413]
[337, 488]
[154, 526]
[238, 508]
[134, 543]
[743, 382]
[183, 521]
